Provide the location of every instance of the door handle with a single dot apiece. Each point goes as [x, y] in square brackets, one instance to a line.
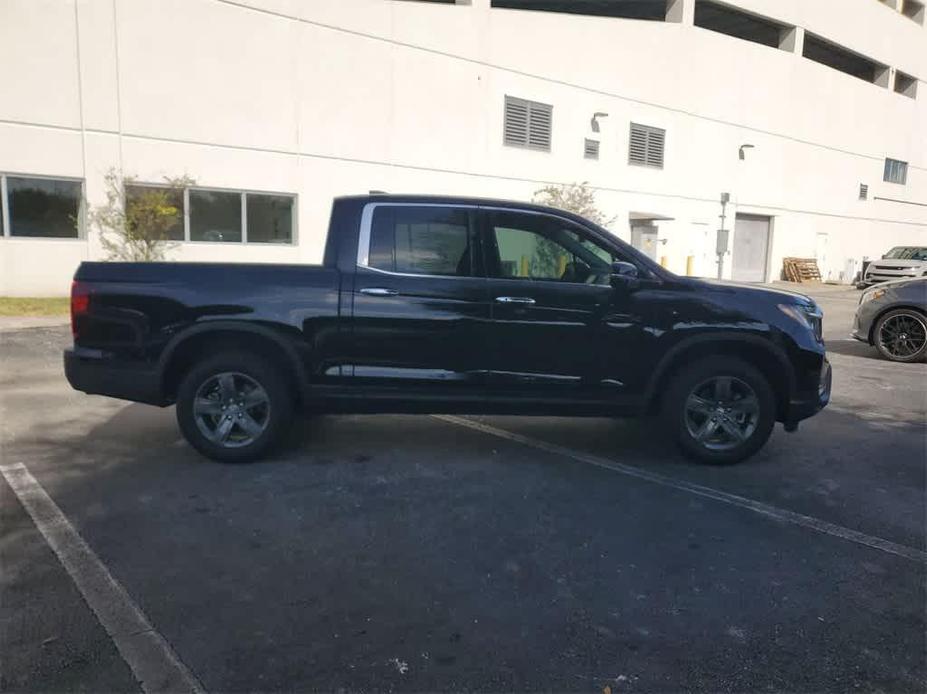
[514, 300]
[379, 291]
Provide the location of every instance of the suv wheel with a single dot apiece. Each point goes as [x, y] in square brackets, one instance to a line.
[721, 410]
[901, 335]
[234, 407]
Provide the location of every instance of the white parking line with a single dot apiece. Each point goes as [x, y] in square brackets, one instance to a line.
[150, 657]
[779, 514]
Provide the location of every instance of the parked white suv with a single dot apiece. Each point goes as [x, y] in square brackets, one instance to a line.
[901, 262]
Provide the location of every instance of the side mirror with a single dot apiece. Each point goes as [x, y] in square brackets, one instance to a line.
[624, 275]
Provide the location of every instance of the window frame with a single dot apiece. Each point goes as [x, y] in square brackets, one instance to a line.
[478, 270]
[647, 268]
[5, 226]
[243, 194]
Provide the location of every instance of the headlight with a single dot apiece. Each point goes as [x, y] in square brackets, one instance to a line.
[872, 294]
[809, 317]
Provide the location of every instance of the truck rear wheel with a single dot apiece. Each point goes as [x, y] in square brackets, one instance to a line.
[721, 410]
[234, 407]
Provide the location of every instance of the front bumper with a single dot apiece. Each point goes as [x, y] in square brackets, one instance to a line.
[809, 405]
[92, 371]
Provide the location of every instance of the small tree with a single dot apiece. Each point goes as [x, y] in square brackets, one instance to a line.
[577, 198]
[137, 227]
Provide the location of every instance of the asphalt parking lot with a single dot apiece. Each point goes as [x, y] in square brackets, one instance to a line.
[417, 553]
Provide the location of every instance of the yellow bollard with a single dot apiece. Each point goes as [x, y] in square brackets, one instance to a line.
[690, 265]
[664, 261]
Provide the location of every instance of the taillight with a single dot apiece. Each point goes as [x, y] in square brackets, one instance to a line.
[80, 304]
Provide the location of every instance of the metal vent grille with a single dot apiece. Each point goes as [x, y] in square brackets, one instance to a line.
[591, 149]
[527, 124]
[863, 191]
[646, 146]
[895, 171]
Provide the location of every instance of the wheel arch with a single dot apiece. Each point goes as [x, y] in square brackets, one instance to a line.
[192, 344]
[769, 358]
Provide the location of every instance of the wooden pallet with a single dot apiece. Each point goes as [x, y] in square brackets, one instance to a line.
[801, 270]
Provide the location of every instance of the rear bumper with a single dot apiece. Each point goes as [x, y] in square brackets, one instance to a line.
[90, 371]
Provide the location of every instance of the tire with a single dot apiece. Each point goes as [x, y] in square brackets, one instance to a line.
[901, 335]
[234, 407]
[701, 430]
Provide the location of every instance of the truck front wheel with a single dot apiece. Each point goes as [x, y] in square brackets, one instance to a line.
[721, 410]
[234, 407]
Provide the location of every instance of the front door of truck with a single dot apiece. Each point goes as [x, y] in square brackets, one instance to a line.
[420, 301]
[560, 329]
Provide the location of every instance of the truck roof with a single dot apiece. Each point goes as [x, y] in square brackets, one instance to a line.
[432, 199]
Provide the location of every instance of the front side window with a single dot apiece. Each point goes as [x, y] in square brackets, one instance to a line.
[215, 216]
[536, 247]
[43, 207]
[421, 241]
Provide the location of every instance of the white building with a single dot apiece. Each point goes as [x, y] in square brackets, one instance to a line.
[810, 114]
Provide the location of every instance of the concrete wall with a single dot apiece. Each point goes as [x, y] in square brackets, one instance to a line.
[331, 97]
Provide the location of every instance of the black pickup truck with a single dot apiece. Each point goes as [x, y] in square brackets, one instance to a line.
[452, 305]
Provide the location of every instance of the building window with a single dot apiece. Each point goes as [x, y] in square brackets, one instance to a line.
[905, 84]
[223, 216]
[838, 58]
[895, 171]
[40, 207]
[646, 146]
[140, 199]
[421, 241]
[215, 216]
[270, 218]
[591, 149]
[527, 124]
[654, 10]
[742, 25]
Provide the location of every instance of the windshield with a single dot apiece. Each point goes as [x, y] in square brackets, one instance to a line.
[907, 253]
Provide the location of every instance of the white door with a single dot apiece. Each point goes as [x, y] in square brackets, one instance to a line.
[820, 253]
[751, 248]
[644, 238]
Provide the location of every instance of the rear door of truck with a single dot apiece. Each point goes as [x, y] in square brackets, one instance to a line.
[420, 300]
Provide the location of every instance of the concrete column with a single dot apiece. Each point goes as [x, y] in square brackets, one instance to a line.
[681, 11]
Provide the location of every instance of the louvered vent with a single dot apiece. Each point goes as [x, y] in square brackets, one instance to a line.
[863, 191]
[591, 149]
[527, 123]
[646, 146]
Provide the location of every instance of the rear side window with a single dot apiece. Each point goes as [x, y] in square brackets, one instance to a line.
[422, 241]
